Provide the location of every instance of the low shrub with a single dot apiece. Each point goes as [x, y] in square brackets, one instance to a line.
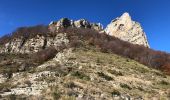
[70, 85]
[106, 77]
[44, 55]
[125, 86]
[115, 93]
[114, 72]
[25, 33]
[163, 82]
[80, 75]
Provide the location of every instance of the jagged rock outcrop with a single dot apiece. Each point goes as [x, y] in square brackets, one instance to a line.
[123, 28]
[39, 42]
[82, 23]
[126, 29]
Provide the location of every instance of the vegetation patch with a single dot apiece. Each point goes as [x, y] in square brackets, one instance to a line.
[5, 86]
[56, 94]
[28, 83]
[122, 85]
[99, 61]
[114, 72]
[80, 75]
[68, 98]
[140, 88]
[106, 77]
[115, 93]
[163, 82]
[71, 85]
[44, 55]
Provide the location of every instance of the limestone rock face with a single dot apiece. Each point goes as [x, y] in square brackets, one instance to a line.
[34, 44]
[123, 28]
[126, 29]
[82, 23]
[39, 42]
[62, 23]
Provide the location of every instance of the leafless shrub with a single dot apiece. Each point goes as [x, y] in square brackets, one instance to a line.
[5, 39]
[25, 33]
[44, 55]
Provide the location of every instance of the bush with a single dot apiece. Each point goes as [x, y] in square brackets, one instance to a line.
[5, 39]
[125, 86]
[115, 93]
[25, 33]
[30, 32]
[117, 73]
[80, 75]
[163, 82]
[44, 55]
[108, 78]
[56, 95]
[70, 85]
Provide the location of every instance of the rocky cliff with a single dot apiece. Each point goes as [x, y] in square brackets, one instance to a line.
[127, 30]
[82, 23]
[35, 44]
[39, 42]
[123, 28]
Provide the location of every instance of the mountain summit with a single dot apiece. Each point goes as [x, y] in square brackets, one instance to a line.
[78, 60]
[127, 30]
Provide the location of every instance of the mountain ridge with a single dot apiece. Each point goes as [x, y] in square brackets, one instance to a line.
[130, 32]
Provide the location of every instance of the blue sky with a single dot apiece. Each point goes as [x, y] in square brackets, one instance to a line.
[154, 15]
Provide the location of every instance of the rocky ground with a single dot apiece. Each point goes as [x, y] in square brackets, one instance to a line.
[86, 74]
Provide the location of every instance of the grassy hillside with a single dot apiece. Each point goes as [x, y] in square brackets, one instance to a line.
[93, 66]
[80, 36]
[86, 73]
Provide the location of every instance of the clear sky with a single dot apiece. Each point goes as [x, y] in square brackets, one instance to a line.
[154, 15]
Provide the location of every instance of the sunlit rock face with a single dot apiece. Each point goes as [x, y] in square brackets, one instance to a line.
[126, 29]
[35, 44]
[39, 42]
[82, 23]
[123, 28]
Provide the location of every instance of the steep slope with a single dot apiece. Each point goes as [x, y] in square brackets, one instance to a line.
[87, 74]
[127, 30]
[78, 60]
